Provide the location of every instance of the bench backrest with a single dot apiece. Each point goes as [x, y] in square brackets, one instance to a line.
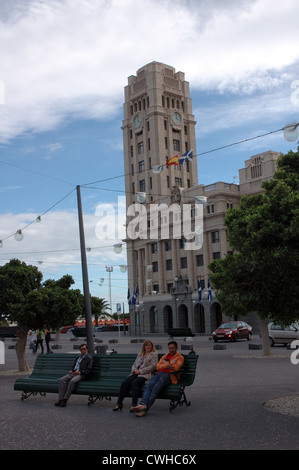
[110, 367]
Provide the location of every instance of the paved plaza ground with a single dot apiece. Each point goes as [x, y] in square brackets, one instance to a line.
[226, 411]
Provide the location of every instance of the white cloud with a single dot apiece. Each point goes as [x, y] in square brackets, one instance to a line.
[71, 59]
[55, 240]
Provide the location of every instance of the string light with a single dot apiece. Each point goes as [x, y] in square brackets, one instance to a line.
[290, 133]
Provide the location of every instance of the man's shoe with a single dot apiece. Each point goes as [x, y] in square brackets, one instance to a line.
[139, 408]
[58, 403]
[63, 403]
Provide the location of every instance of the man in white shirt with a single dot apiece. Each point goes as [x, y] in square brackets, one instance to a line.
[80, 371]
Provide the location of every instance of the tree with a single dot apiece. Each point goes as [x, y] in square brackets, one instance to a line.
[29, 303]
[261, 274]
[17, 281]
[98, 307]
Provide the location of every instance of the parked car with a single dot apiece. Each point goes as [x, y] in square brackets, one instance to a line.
[232, 331]
[65, 329]
[279, 334]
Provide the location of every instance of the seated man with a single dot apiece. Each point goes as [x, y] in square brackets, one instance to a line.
[167, 368]
[80, 371]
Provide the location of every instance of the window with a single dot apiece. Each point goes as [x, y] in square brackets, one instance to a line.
[142, 186]
[140, 148]
[168, 264]
[141, 166]
[176, 145]
[168, 246]
[216, 255]
[156, 287]
[155, 267]
[182, 242]
[184, 263]
[154, 248]
[169, 286]
[199, 260]
[178, 182]
[215, 237]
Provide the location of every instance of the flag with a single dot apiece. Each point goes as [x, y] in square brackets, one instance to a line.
[173, 161]
[157, 169]
[186, 157]
[128, 296]
[135, 295]
[209, 292]
[199, 290]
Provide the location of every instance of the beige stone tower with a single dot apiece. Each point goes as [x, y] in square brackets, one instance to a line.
[158, 124]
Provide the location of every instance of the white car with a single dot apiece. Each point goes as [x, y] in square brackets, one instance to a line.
[279, 334]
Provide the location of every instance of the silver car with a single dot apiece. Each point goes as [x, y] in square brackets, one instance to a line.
[279, 334]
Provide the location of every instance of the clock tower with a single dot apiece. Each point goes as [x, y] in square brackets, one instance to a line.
[158, 124]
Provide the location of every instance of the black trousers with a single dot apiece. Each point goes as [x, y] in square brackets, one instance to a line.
[132, 382]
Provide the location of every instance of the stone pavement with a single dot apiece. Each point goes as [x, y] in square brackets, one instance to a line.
[226, 410]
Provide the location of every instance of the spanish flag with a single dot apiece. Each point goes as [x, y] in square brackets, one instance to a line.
[173, 161]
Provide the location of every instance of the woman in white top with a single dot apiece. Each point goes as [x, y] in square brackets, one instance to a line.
[142, 370]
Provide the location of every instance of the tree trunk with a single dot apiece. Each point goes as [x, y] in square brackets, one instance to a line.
[21, 349]
[265, 337]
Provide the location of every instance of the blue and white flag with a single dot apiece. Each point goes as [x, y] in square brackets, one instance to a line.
[209, 292]
[157, 169]
[129, 296]
[135, 295]
[199, 290]
[186, 157]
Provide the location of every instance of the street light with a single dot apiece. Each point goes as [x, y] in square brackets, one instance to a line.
[109, 270]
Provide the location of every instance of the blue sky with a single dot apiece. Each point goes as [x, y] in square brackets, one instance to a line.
[64, 65]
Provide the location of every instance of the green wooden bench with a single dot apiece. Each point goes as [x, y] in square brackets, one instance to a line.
[179, 332]
[107, 375]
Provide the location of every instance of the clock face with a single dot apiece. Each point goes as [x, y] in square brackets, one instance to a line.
[176, 117]
[137, 120]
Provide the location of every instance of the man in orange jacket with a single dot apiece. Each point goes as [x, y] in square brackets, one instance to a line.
[167, 369]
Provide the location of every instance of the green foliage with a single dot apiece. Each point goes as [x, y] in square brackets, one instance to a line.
[31, 304]
[261, 274]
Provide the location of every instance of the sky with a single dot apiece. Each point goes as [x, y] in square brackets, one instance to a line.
[63, 68]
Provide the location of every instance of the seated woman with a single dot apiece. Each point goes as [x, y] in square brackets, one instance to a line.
[142, 370]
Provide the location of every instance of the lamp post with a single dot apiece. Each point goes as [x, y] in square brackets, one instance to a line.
[87, 306]
[109, 270]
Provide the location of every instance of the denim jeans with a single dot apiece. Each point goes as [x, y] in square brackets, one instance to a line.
[153, 388]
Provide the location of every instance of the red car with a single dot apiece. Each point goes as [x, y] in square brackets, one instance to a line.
[65, 329]
[232, 331]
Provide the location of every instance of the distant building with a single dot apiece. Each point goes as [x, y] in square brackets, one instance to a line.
[158, 125]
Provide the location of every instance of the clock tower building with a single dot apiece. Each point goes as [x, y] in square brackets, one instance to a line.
[158, 124]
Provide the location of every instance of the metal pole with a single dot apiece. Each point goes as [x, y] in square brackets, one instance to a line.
[124, 319]
[87, 307]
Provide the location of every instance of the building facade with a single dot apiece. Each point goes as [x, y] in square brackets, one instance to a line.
[175, 227]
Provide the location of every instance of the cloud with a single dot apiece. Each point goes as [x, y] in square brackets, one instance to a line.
[71, 59]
